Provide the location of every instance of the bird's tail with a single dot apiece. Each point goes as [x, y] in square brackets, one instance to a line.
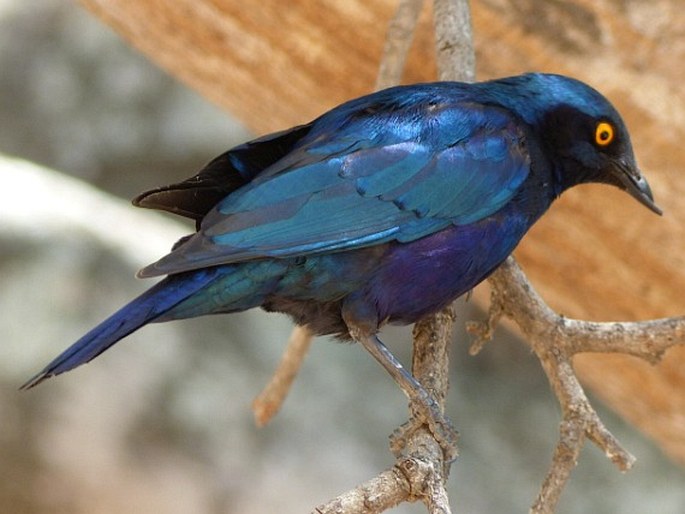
[146, 308]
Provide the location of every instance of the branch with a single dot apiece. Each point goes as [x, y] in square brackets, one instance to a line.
[397, 43]
[408, 480]
[267, 404]
[454, 40]
[555, 340]
[432, 335]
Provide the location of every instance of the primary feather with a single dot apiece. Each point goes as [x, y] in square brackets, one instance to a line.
[356, 180]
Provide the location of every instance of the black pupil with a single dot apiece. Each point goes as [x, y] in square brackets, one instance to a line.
[604, 135]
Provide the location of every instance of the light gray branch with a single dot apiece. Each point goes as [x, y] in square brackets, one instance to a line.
[409, 480]
[382, 492]
[454, 40]
[514, 296]
[397, 43]
[555, 340]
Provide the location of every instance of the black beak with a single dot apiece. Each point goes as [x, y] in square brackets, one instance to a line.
[635, 184]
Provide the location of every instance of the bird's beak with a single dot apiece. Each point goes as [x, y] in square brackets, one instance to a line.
[636, 185]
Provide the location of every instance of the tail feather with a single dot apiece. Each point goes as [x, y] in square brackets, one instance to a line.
[151, 304]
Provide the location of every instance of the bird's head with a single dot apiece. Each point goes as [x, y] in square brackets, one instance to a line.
[589, 140]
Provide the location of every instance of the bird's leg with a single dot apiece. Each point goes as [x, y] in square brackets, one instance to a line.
[423, 405]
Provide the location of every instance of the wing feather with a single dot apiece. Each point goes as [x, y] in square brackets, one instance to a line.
[361, 184]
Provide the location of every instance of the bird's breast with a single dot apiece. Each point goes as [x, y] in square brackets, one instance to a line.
[421, 277]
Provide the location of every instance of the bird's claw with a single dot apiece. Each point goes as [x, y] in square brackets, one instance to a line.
[425, 412]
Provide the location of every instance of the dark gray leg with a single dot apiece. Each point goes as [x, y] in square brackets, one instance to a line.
[423, 405]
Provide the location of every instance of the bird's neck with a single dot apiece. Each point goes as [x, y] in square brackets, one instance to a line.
[569, 174]
[546, 180]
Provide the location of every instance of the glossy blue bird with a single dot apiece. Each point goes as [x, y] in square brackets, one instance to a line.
[383, 210]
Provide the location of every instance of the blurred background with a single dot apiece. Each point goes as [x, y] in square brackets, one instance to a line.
[162, 422]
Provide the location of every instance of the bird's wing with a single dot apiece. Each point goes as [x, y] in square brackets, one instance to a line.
[365, 179]
[196, 196]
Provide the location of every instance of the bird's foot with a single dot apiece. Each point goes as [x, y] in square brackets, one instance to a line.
[425, 412]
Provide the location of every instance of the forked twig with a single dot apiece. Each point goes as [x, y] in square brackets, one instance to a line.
[555, 340]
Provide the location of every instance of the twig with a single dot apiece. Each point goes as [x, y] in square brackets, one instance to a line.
[397, 43]
[432, 335]
[430, 366]
[510, 287]
[454, 40]
[267, 404]
[384, 491]
[555, 340]
[409, 479]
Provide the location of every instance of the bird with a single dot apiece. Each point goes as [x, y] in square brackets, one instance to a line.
[384, 209]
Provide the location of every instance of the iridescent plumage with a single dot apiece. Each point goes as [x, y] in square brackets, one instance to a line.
[384, 209]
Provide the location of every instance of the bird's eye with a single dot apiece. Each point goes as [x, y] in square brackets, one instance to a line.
[604, 133]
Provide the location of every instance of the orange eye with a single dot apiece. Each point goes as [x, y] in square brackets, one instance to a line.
[604, 133]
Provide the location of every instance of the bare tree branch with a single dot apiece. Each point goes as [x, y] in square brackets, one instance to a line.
[409, 480]
[452, 22]
[397, 43]
[555, 340]
[432, 335]
[267, 404]
[382, 492]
